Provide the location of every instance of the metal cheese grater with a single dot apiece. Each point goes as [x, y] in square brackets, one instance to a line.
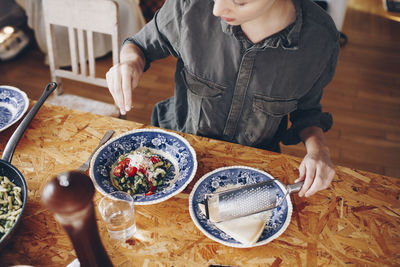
[246, 200]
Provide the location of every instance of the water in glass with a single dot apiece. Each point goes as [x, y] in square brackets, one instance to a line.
[117, 211]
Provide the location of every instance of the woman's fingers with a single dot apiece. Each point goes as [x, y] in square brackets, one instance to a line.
[110, 84]
[114, 82]
[126, 84]
[121, 80]
[317, 173]
[119, 95]
[309, 179]
[322, 180]
[315, 186]
[302, 173]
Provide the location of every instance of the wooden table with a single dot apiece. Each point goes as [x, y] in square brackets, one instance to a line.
[354, 222]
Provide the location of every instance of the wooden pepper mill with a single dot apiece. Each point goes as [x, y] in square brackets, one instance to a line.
[69, 196]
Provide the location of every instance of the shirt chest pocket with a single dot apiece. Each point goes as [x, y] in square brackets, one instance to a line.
[274, 107]
[201, 87]
[265, 116]
[206, 105]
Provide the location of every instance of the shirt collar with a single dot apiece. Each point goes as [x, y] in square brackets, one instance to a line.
[288, 38]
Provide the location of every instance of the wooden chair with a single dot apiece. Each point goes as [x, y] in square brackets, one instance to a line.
[82, 18]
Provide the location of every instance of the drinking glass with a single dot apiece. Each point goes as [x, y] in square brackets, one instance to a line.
[118, 213]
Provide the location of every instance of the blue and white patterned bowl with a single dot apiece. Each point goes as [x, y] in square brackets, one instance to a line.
[13, 105]
[170, 145]
[234, 175]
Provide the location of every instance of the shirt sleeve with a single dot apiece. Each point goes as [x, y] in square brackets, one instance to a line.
[309, 110]
[160, 37]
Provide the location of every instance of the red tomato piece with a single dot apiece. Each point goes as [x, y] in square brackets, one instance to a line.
[118, 171]
[152, 187]
[131, 170]
[155, 159]
[143, 170]
[125, 162]
[149, 193]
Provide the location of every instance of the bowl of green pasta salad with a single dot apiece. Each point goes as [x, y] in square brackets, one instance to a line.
[152, 165]
[12, 204]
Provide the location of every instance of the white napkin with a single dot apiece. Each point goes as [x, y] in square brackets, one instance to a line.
[74, 263]
[247, 230]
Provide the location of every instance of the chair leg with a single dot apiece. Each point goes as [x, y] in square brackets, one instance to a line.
[342, 39]
[120, 116]
[59, 89]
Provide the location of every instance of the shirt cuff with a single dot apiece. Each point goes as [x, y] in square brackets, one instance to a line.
[322, 120]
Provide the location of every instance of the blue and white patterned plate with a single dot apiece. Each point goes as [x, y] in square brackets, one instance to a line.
[170, 145]
[13, 105]
[235, 175]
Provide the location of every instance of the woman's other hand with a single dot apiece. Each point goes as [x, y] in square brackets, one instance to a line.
[316, 169]
[124, 77]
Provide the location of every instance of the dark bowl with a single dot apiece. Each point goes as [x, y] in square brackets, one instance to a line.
[15, 176]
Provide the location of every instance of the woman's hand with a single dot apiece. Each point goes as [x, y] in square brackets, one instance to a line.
[316, 169]
[124, 77]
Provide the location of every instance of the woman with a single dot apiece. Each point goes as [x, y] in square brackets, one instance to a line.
[244, 67]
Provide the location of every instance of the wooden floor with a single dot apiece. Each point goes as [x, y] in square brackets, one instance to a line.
[364, 96]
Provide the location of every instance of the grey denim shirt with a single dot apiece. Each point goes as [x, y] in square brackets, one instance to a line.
[230, 89]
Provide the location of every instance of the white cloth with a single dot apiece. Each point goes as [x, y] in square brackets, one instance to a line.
[337, 10]
[74, 263]
[131, 20]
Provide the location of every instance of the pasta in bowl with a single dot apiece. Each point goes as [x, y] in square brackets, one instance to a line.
[151, 164]
[10, 204]
[140, 171]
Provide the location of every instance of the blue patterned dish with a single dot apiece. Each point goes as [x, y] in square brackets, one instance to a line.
[234, 175]
[13, 105]
[170, 145]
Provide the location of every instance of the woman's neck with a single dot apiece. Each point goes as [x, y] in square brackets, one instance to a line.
[281, 14]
